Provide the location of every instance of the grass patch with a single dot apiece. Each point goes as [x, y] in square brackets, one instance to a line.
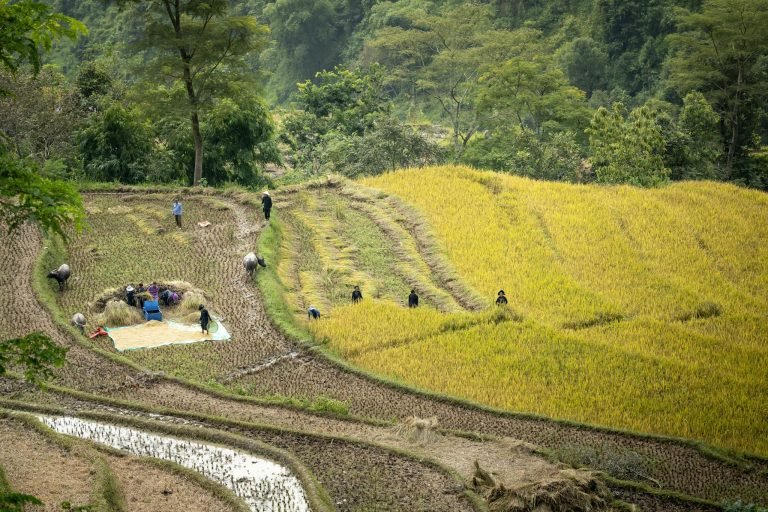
[272, 288]
[704, 310]
[600, 319]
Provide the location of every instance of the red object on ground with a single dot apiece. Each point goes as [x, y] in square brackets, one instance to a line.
[98, 332]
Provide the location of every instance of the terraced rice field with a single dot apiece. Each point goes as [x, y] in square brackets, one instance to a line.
[360, 465]
[132, 239]
[641, 310]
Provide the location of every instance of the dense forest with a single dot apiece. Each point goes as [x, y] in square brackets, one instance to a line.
[614, 91]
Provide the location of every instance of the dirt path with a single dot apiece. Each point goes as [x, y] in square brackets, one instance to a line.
[515, 463]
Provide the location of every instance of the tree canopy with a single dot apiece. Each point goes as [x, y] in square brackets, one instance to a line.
[203, 49]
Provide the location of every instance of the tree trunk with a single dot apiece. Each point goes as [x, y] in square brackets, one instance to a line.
[198, 149]
[734, 129]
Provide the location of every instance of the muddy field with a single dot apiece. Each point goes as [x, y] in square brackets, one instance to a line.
[361, 465]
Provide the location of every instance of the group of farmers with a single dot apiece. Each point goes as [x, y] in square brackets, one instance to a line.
[413, 301]
[137, 296]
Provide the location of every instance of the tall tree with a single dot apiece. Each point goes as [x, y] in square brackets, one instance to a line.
[196, 44]
[441, 56]
[721, 52]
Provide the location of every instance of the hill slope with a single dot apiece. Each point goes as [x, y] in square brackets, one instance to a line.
[637, 309]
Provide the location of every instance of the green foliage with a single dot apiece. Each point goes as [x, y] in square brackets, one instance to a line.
[336, 127]
[28, 195]
[16, 502]
[627, 150]
[308, 34]
[693, 143]
[533, 94]
[585, 62]
[341, 100]
[327, 404]
[439, 57]
[721, 51]
[26, 27]
[36, 353]
[476, 68]
[115, 145]
[39, 113]
[520, 151]
[241, 138]
[386, 146]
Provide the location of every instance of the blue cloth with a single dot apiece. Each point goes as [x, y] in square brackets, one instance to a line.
[177, 208]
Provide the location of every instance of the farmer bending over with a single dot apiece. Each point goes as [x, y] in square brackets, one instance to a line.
[168, 297]
[313, 313]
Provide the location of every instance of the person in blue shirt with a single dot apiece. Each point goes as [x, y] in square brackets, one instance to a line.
[177, 211]
[313, 313]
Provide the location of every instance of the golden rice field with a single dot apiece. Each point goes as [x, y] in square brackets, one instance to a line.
[637, 309]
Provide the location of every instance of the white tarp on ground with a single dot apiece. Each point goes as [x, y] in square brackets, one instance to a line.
[155, 334]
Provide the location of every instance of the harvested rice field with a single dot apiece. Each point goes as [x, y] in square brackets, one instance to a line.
[311, 395]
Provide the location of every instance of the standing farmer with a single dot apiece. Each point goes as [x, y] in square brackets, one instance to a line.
[266, 203]
[357, 295]
[205, 318]
[177, 211]
[413, 300]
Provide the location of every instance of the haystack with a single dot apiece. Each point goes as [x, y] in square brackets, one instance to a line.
[418, 430]
[571, 490]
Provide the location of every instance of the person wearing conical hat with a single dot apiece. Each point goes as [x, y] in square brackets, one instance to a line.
[266, 203]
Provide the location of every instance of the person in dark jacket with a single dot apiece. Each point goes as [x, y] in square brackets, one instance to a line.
[357, 295]
[501, 299]
[266, 203]
[205, 319]
[313, 313]
[413, 299]
[129, 298]
[140, 294]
